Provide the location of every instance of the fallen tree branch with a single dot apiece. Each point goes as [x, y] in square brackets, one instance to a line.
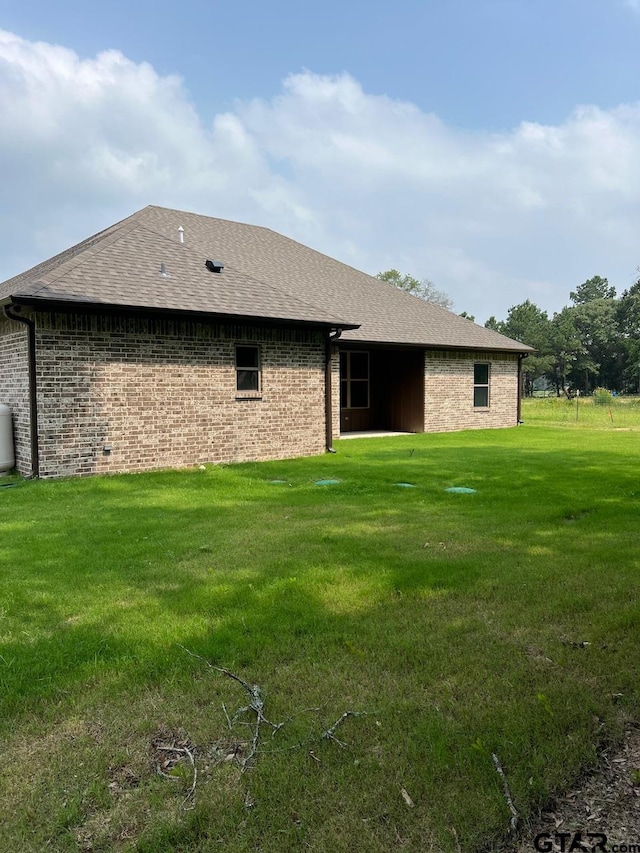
[330, 733]
[513, 823]
[256, 704]
[184, 751]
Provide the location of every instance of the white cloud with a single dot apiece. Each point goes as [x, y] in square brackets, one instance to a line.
[490, 218]
[102, 137]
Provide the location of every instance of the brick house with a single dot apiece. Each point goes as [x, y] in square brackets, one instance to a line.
[172, 339]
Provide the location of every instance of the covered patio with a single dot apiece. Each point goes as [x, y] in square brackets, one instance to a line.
[381, 391]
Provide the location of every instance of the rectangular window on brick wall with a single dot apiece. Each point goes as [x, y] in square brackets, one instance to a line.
[354, 379]
[481, 374]
[248, 368]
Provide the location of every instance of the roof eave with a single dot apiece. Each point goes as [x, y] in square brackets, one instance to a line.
[77, 306]
[523, 348]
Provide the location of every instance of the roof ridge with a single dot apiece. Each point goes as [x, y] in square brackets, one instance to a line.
[261, 228]
[202, 216]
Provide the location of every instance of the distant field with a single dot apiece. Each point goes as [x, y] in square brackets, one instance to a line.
[452, 626]
[623, 413]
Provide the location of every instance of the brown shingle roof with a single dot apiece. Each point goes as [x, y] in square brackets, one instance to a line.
[121, 267]
[266, 275]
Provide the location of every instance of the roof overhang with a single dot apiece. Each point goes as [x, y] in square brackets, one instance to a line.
[364, 344]
[78, 307]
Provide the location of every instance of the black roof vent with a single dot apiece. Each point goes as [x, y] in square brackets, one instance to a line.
[214, 266]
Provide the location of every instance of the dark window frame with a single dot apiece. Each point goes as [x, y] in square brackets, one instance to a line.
[481, 390]
[244, 368]
[347, 381]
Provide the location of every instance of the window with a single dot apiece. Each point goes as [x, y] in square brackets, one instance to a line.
[481, 386]
[354, 379]
[247, 368]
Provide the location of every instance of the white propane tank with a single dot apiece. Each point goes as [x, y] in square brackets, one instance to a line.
[7, 459]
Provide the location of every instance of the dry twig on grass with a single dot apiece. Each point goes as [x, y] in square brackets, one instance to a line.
[183, 750]
[457, 840]
[513, 823]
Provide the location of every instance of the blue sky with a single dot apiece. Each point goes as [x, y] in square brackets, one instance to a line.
[490, 145]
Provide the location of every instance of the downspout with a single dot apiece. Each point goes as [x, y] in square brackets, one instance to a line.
[33, 397]
[521, 358]
[328, 409]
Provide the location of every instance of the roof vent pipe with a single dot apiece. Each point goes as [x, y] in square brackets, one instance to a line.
[181, 234]
[214, 266]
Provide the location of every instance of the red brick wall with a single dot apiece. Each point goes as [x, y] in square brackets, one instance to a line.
[448, 397]
[163, 394]
[14, 387]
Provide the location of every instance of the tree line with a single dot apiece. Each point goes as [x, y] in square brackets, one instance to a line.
[593, 342]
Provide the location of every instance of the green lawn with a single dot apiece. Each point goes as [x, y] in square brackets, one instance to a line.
[455, 625]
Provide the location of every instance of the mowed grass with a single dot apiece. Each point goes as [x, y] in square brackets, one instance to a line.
[453, 626]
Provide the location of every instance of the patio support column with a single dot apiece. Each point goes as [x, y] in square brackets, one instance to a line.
[521, 357]
[33, 393]
[328, 409]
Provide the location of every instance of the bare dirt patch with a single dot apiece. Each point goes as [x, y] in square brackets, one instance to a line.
[604, 802]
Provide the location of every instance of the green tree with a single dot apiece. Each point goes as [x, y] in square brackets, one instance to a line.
[423, 289]
[629, 322]
[592, 289]
[629, 310]
[530, 325]
[600, 357]
[565, 347]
